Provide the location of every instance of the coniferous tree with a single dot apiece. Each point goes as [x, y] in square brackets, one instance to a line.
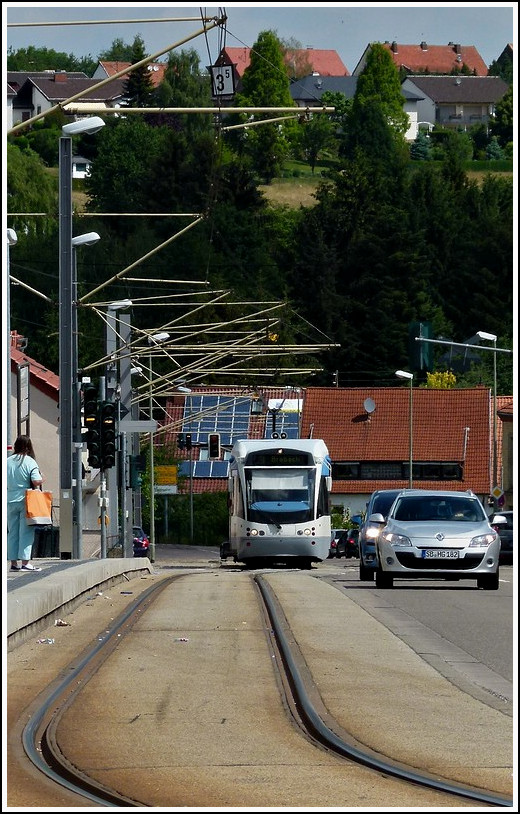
[138, 88]
[265, 84]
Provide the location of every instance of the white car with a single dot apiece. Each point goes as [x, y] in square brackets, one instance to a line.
[437, 535]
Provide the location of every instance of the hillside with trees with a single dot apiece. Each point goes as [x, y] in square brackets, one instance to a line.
[392, 239]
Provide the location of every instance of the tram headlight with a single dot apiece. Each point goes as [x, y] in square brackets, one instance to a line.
[307, 532]
[254, 532]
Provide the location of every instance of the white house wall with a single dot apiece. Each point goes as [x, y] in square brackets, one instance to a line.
[425, 108]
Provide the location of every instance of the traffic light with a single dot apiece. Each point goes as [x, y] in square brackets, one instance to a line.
[107, 421]
[181, 443]
[90, 405]
[91, 422]
[137, 466]
[213, 446]
[188, 440]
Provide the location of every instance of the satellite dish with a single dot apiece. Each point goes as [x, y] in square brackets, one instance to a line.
[369, 405]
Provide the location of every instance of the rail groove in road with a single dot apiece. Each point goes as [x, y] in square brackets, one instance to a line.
[39, 736]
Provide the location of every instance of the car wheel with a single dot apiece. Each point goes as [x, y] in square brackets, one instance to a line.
[488, 582]
[384, 580]
[366, 574]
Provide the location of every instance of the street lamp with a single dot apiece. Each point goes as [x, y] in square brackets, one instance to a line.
[66, 323]
[493, 338]
[153, 339]
[12, 239]
[88, 239]
[403, 374]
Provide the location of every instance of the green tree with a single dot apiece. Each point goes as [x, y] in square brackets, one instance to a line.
[29, 189]
[420, 149]
[503, 67]
[183, 85]
[494, 151]
[316, 135]
[265, 84]
[502, 125]
[379, 82]
[138, 87]
[46, 59]
[119, 51]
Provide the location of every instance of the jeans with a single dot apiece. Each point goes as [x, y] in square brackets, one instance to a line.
[20, 536]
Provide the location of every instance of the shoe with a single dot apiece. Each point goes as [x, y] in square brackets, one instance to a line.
[15, 568]
[30, 567]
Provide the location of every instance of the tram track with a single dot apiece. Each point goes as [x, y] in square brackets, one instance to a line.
[301, 697]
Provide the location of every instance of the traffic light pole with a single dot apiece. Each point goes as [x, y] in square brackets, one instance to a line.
[191, 494]
[103, 489]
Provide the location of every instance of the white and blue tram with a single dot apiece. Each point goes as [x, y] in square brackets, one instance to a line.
[279, 502]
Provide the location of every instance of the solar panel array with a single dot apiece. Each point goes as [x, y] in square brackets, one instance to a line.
[205, 414]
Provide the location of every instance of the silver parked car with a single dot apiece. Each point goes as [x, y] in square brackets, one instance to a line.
[437, 534]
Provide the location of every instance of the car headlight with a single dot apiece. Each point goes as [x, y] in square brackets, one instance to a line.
[482, 540]
[396, 539]
[372, 532]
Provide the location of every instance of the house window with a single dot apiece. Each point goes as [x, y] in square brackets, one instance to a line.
[397, 470]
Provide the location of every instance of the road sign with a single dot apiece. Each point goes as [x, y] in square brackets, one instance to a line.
[137, 426]
[165, 490]
[166, 475]
[497, 492]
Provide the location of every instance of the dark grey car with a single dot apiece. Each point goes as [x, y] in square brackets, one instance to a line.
[506, 536]
[379, 502]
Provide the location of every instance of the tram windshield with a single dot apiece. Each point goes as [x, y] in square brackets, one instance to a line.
[280, 496]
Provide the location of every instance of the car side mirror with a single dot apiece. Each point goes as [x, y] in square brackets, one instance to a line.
[499, 520]
[376, 518]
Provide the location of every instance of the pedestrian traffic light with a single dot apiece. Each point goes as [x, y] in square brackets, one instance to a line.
[188, 440]
[181, 443]
[213, 446]
[107, 421]
[137, 467]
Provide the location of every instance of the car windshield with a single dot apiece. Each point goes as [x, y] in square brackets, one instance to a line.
[424, 509]
[382, 503]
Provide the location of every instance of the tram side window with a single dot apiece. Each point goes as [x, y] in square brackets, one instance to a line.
[323, 499]
[237, 502]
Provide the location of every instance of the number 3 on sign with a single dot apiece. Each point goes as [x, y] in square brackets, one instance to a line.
[222, 80]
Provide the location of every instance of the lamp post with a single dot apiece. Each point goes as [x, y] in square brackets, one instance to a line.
[493, 338]
[66, 324]
[403, 374]
[88, 239]
[12, 239]
[154, 339]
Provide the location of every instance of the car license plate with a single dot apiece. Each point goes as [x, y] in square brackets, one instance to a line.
[439, 554]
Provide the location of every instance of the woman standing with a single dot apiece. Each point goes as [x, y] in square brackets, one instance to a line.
[22, 473]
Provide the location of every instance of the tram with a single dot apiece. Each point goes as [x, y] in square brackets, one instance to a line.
[279, 502]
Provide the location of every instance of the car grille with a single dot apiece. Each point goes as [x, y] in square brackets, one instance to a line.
[418, 564]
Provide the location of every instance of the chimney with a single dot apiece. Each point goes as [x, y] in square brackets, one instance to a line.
[394, 47]
[457, 48]
[424, 47]
[60, 76]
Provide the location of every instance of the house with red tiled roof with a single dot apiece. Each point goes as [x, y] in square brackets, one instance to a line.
[299, 61]
[367, 431]
[456, 101]
[423, 58]
[105, 69]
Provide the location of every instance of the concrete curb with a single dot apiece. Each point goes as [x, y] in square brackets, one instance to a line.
[29, 606]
